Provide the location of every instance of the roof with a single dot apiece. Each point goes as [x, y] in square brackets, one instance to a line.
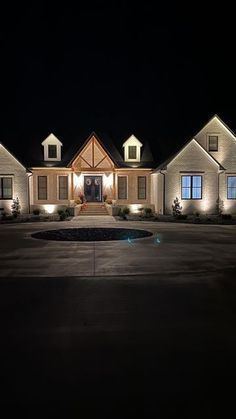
[20, 162]
[163, 166]
[37, 158]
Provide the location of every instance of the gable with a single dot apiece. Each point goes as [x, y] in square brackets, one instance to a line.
[8, 162]
[193, 157]
[92, 156]
[226, 149]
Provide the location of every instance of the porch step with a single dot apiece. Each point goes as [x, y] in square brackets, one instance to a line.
[93, 209]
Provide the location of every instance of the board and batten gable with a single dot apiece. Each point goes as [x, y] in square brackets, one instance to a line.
[11, 167]
[192, 160]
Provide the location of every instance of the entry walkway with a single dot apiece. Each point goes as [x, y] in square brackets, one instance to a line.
[94, 221]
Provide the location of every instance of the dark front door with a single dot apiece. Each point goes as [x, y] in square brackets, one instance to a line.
[93, 188]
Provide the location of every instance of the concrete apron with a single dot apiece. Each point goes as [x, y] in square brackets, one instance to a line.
[173, 249]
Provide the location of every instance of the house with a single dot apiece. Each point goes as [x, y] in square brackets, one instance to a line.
[94, 170]
[201, 174]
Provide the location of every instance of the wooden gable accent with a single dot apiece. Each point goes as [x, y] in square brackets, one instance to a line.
[93, 156]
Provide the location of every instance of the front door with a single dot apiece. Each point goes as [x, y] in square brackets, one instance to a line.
[93, 188]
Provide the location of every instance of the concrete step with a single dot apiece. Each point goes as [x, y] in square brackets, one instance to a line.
[93, 210]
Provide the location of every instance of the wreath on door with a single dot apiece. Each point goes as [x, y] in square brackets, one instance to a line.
[88, 182]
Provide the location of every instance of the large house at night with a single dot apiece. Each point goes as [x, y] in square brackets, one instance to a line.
[200, 173]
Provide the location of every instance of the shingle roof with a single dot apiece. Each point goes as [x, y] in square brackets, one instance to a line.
[36, 154]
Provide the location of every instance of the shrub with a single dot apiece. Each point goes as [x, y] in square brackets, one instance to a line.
[181, 217]
[176, 208]
[104, 197]
[3, 215]
[109, 201]
[226, 216]
[68, 212]
[36, 211]
[147, 212]
[124, 212]
[62, 214]
[78, 201]
[15, 207]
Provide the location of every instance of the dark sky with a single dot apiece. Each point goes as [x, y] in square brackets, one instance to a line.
[116, 67]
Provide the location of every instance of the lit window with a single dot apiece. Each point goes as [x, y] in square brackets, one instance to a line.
[191, 187]
[42, 187]
[141, 187]
[122, 187]
[213, 143]
[52, 151]
[132, 152]
[5, 188]
[63, 187]
[231, 187]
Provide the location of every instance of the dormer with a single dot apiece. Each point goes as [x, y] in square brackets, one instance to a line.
[52, 148]
[132, 149]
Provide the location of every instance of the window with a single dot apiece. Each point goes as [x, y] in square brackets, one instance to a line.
[63, 187]
[213, 142]
[141, 187]
[191, 187]
[132, 152]
[5, 188]
[42, 187]
[231, 187]
[122, 187]
[52, 151]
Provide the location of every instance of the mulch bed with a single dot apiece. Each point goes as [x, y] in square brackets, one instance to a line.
[91, 234]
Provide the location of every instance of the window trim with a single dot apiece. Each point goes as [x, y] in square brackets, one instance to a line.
[136, 153]
[42, 199]
[191, 188]
[125, 176]
[58, 188]
[230, 188]
[50, 145]
[213, 135]
[1, 187]
[140, 177]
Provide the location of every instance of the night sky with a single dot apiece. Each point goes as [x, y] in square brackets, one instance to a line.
[117, 67]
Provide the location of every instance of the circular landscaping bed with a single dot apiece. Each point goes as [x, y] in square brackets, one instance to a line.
[91, 234]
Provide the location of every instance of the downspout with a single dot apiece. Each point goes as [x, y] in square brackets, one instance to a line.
[220, 173]
[29, 176]
[164, 188]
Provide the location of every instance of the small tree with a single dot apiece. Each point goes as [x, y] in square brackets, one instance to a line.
[219, 206]
[15, 207]
[176, 208]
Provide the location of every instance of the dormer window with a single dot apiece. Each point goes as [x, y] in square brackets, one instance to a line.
[52, 148]
[132, 152]
[132, 149]
[52, 151]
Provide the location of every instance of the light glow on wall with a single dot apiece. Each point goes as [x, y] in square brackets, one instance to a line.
[134, 208]
[49, 209]
[78, 180]
[108, 180]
